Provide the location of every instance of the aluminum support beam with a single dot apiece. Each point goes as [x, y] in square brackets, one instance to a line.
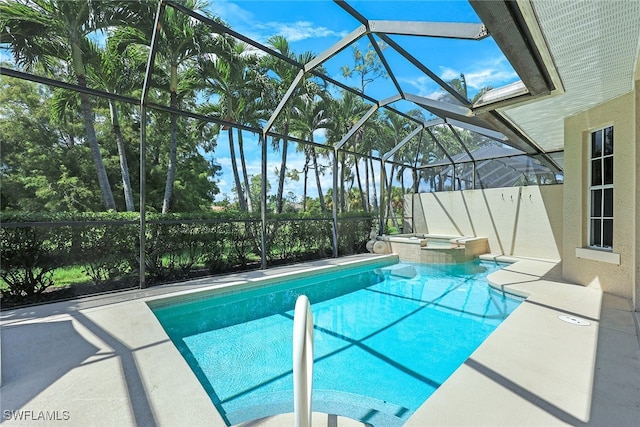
[391, 100]
[386, 65]
[357, 126]
[440, 146]
[462, 161]
[402, 143]
[336, 48]
[335, 204]
[420, 66]
[351, 11]
[150, 105]
[221, 29]
[464, 147]
[489, 133]
[263, 204]
[142, 256]
[510, 32]
[450, 30]
[440, 108]
[366, 117]
[381, 209]
[69, 86]
[283, 102]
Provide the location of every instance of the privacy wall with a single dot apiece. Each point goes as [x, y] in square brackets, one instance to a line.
[518, 221]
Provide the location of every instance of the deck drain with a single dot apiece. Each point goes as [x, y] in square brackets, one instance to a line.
[574, 320]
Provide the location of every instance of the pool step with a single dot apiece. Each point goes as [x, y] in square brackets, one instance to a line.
[273, 408]
[406, 271]
[319, 419]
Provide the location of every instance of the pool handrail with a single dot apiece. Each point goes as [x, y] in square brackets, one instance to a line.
[302, 362]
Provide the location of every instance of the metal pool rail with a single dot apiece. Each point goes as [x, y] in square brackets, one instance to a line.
[302, 361]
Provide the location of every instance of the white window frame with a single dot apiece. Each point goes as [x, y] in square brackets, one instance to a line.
[602, 187]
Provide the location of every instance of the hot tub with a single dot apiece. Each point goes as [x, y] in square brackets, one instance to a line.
[432, 248]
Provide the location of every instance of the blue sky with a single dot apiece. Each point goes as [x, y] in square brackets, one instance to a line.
[316, 25]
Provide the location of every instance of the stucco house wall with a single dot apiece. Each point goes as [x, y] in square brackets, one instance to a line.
[591, 267]
[636, 291]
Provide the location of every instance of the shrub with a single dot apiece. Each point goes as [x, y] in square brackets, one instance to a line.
[107, 246]
[29, 256]
[353, 232]
[177, 246]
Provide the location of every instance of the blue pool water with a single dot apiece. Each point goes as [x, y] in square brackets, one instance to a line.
[386, 336]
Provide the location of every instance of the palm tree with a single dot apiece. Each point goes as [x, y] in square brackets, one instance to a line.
[118, 72]
[284, 77]
[184, 41]
[219, 76]
[310, 115]
[395, 129]
[240, 87]
[367, 68]
[47, 32]
[345, 112]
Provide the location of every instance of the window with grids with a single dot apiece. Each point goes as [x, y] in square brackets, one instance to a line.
[601, 189]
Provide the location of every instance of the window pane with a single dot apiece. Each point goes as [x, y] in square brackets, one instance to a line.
[595, 232]
[596, 172]
[608, 170]
[608, 202]
[608, 140]
[596, 144]
[607, 233]
[596, 203]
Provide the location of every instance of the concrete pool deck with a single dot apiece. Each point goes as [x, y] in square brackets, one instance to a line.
[106, 361]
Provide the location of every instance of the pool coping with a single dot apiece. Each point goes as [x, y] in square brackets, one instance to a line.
[107, 360]
[554, 373]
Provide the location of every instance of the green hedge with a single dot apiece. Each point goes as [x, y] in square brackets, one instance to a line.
[106, 245]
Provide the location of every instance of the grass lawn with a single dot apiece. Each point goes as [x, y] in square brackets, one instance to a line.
[63, 276]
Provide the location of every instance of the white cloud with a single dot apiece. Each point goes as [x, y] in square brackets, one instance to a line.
[448, 74]
[495, 72]
[489, 77]
[245, 22]
[424, 87]
[232, 13]
[296, 31]
[225, 162]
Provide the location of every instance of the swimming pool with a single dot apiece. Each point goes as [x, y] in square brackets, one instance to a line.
[386, 336]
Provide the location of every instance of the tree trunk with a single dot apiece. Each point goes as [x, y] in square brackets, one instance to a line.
[363, 199]
[390, 212]
[124, 167]
[283, 170]
[103, 179]
[373, 185]
[173, 154]
[342, 166]
[234, 165]
[314, 157]
[245, 175]
[366, 183]
[305, 170]
[87, 116]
